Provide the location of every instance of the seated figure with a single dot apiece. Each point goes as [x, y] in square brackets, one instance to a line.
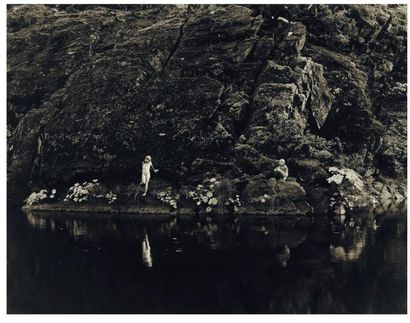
[281, 172]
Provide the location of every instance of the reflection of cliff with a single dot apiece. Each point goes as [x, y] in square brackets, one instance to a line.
[242, 265]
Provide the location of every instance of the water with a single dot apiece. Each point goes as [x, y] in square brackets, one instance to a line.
[77, 263]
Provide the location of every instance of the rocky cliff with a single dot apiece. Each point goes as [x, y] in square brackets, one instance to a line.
[223, 90]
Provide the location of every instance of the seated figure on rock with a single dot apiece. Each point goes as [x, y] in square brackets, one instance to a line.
[281, 172]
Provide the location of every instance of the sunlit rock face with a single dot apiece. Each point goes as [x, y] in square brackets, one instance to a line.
[221, 89]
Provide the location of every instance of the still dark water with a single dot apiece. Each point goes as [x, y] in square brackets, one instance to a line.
[59, 263]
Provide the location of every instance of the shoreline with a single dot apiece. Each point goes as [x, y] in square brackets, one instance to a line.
[158, 210]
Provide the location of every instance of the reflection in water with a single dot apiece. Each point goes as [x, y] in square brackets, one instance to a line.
[353, 242]
[36, 221]
[208, 233]
[351, 253]
[52, 225]
[79, 228]
[283, 256]
[146, 251]
[355, 264]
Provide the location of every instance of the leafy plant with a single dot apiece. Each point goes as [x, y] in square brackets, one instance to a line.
[169, 198]
[40, 197]
[81, 193]
[215, 194]
[78, 193]
[352, 191]
[111, 197]
[131, 192]
[226, 197]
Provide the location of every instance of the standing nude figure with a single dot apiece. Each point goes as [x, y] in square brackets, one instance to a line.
[146, 174]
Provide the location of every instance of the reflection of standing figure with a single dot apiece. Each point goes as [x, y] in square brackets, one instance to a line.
[146, 251]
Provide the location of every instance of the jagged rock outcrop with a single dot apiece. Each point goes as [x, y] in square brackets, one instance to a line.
[205, 89]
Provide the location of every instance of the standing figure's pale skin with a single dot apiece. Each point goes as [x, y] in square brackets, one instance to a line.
[146, 174]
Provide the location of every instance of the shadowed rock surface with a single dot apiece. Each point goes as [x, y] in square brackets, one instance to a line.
[206, 90]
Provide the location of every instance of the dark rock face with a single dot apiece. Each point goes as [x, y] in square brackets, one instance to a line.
[286, 195]
[219, 89]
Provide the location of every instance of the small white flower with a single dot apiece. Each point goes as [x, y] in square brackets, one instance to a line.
[212, 180]
[213, 201]
[76, 184]
[95, 180]
[54, 191]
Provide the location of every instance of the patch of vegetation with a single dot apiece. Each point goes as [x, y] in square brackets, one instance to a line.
[351, 190]
[168, 197]
[214, 195]
[40, 197]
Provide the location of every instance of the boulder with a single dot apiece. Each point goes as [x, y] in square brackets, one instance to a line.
[290, 189]
[287, 196]
[257, 189]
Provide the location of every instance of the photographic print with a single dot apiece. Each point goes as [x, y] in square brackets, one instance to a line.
[206, 159]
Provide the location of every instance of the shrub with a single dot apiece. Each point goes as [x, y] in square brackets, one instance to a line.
[225, 194]
[81, 193]
[40, 197]
[78, 193]
[168, 197]
[111, 197]
[131, 192]
[352, 191]
[215, 194]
